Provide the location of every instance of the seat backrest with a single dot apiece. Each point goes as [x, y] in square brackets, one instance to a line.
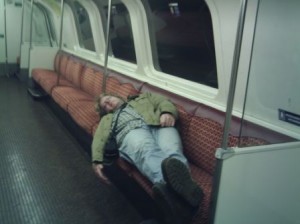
[123, 90]
[74, 70]
[91, 80]
[63, 61]
[203, 138]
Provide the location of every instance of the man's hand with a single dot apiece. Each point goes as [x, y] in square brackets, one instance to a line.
[98, 170]
[167, 120]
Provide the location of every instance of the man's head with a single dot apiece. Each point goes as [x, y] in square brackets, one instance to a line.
[107, 103]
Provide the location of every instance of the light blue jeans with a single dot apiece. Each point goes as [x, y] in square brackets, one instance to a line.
[148, 146]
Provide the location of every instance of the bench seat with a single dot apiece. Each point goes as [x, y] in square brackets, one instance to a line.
[200, 126]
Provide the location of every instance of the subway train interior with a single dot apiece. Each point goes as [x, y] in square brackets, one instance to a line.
[231, 68]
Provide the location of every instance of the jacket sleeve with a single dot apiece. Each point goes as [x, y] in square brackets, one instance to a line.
[100, 138]
[163, 105]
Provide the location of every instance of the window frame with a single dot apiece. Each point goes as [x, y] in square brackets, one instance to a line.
[77, 25]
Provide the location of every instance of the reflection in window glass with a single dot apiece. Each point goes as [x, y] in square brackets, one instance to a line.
[121, 34]
[26, 22]
[49, 25]
[121, 38]
[84, 29]
[41, 35]
[182, 40]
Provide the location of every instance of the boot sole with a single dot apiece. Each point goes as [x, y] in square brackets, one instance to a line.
[178, 178]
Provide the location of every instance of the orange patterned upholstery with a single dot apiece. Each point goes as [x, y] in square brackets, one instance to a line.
[83, 112]
[124, 90]
[200, 127]
[49, 83]
[203, 138]
[39, 73]
[48, 79]
[63, 62]
[246, 141]
[183, 122]
[73, 71]
[64, 95]
[77, 89]
[91, 81]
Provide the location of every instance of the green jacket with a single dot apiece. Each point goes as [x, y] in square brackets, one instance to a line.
[149, 106]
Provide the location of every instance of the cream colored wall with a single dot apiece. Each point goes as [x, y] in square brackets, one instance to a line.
[274, 79]
[260, 185]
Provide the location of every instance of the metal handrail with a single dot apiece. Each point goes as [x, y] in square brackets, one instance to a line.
[105, 73]
[43, 10]
[22, 29]
[60, 36]
[61, 23]
[234, 72]
[5, 34]
[230, 100]
[30, 38]
[250, 64]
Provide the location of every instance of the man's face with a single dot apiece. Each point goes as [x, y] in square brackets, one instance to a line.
[110, 103]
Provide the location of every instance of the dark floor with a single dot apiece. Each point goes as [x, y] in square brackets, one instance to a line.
[45, 176]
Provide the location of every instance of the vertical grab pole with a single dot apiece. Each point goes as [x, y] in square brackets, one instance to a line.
[61, 23]
[250, 64]
[22, 30]
[234, 72]
[30, 39]
[106, 46]
[230, 101]
[5, 34]
[62, 5]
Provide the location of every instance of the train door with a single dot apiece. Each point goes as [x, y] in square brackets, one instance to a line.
[10, 25]
[40, 35]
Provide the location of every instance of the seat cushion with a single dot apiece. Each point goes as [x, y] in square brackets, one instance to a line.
[84, 114]
[49, 84]
[203, 179]
[39, 73]
[47, 79]
[64, 95]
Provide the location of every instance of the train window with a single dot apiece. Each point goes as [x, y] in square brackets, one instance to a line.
[121, 37]
[43, 33]
[49, 24]
[182, 40]
[26, 22]
[83, 25]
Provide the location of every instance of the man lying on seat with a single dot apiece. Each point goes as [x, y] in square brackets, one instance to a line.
[145, 134]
